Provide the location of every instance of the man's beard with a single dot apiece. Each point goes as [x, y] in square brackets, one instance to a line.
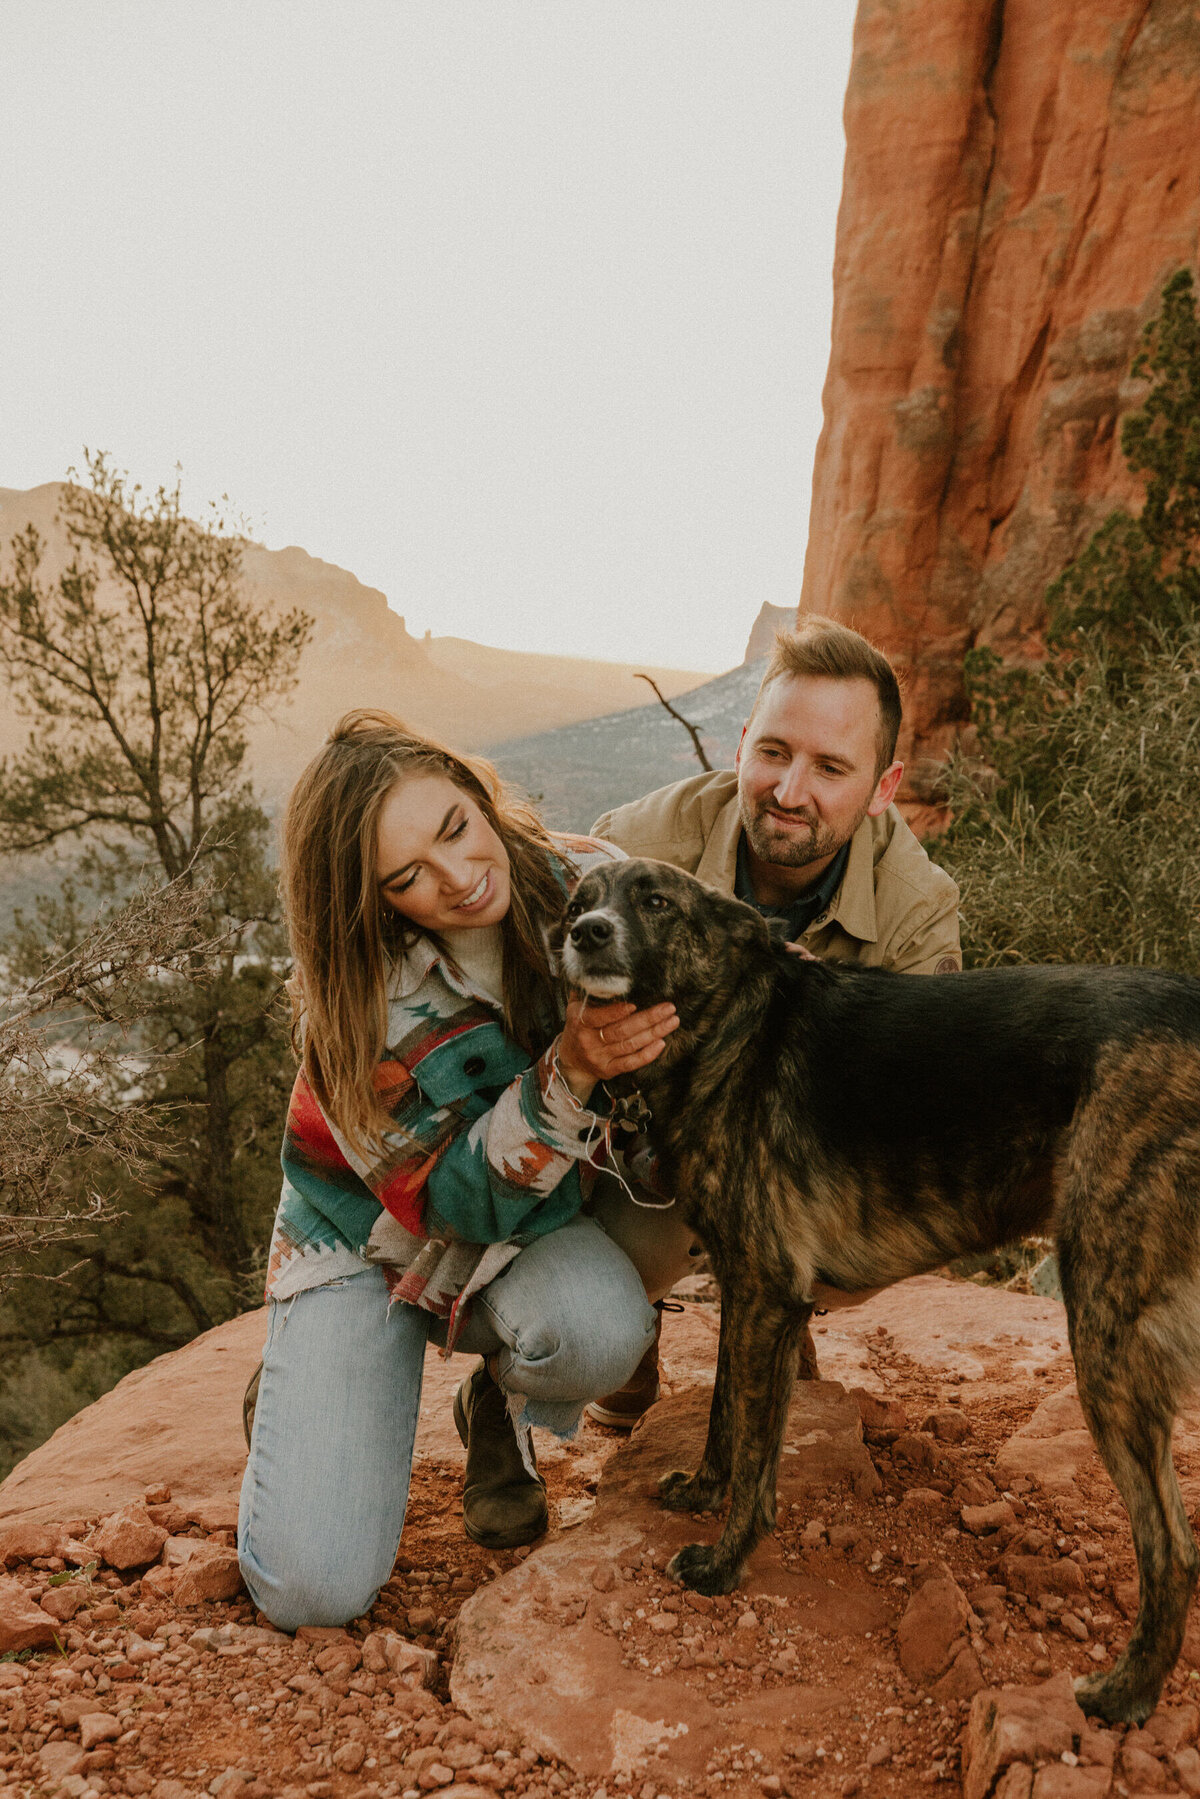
[787, 849]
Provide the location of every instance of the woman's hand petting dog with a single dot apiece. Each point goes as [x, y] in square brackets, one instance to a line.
[600, 1041]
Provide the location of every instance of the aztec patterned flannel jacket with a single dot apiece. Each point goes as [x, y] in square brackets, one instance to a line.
[490, 1149]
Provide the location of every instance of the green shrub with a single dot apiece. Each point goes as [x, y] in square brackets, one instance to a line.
[1077, 834]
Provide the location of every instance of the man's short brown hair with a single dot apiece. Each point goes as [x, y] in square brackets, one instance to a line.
[820, 646]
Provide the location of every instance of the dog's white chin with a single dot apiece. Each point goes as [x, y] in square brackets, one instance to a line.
[608, 986]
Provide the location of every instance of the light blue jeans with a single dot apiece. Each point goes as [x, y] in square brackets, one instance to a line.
[326, 1486]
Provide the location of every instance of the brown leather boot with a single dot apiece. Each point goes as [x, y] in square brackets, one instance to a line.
[250, 1404]
[622, 1409]
[503, 1505]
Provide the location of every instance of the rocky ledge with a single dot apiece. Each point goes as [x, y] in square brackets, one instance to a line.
[950, 1556]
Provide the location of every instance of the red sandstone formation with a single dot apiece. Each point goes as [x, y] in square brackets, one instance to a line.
[1021, 178]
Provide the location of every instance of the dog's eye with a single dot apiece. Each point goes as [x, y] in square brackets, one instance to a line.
[574, 909]
[657, 902]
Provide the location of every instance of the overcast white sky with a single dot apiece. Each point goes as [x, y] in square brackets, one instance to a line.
[519, 309]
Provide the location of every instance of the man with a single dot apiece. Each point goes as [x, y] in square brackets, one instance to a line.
[805, 830]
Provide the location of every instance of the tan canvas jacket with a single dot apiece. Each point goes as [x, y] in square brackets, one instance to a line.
[894, 909]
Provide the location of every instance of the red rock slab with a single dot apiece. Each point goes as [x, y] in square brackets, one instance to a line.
[950, 1327]
[1052, 1447]
[526, 1661]
[823, 1448]
[178, 1422]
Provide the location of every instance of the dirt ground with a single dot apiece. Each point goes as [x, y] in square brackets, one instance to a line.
[205, 1698]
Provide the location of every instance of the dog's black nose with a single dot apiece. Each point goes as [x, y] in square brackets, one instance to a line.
[591, 931]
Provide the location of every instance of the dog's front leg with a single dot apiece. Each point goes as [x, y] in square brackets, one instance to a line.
[705, 1490]
[763, 1353]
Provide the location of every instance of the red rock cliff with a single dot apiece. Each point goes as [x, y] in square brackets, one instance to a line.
[1021, 177]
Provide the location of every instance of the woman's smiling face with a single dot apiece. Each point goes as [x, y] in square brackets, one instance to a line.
[437, 859]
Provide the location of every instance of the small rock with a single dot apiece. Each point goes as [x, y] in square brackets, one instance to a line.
[23, 1625]
[924, 1499]
[1143, 1771]
[914, 1450]
[1058, 1781]
[417, 1667]
[228, 1784]
[158, 1495]
[178, 1550]
[962, 1679]
[1174, 1726]
[878, 1412]
[948, 1425]
[1038, 1576]
[214, 1574]
[435, 1774]
[421, 1620]
[98, 1727]
[1074, 1626]
[129, 1538]
[215, 1514]
[158, 1582]
[349, 1758]
[813, 1534]
[936, 1618]
[1097, 1746]
[663, 1622]
[1125, 1592]
[981, 1520]
[880, 1755]
[1018, 1725]
[1186, 1764]
[604, 1577]
[26, 1542]
[63, 1602]
[77, 1706]
[975, 1489]
[59, 1761]
[748, 1621]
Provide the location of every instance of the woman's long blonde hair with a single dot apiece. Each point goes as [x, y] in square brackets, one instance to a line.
[345, 938]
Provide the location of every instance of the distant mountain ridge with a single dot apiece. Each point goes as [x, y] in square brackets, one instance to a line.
[578, 771]
[362, 654]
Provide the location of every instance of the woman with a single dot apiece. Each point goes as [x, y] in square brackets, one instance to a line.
[440, 1145]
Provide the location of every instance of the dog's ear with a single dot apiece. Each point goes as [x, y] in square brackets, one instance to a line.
[740, 923]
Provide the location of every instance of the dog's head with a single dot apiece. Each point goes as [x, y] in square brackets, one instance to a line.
[645, 932]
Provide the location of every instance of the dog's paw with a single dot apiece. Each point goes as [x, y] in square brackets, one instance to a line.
[700, 1567]
[1117, 1695]
[683, 1492]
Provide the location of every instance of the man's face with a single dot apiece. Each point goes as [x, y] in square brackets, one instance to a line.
[807, 768]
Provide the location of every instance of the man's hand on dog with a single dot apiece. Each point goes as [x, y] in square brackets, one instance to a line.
[606, 1038]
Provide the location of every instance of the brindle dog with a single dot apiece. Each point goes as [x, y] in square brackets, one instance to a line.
[854, 1127]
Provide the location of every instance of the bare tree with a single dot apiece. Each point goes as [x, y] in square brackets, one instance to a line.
[691, 730]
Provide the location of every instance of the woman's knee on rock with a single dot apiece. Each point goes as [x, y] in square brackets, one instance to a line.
[310, 1596]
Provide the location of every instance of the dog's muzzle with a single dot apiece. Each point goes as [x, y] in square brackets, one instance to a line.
[593, 956]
